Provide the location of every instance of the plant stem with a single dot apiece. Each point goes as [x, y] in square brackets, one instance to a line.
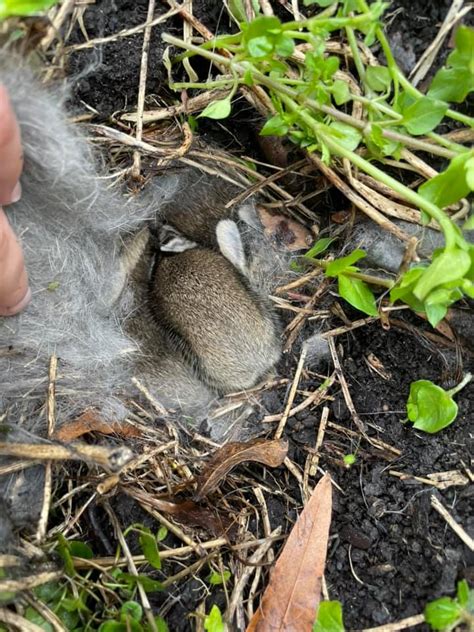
[314, 105]
[445, 142]
[368, 278]
[369, 168]
[347, 118]
[466, 379]
[355, 53]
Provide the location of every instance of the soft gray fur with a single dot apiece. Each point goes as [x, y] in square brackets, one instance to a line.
[83, 243]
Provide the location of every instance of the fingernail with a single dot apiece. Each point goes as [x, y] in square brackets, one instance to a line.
[16, 193]
[11, 311]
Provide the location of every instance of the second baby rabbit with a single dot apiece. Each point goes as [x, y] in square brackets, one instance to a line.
[201, 298]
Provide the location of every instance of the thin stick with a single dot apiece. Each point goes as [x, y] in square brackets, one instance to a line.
[161, 410]
[56, 23]
[358, 200]
[27, 583]
[142, 88]
[345, 389]
[458, 530]
[455, 13]
[19, 623]
[131, 567]
[48, 478]
[112, 459]
[291, 396]
[403, 624]
[93, 43]
[319, 441]
[241, 582]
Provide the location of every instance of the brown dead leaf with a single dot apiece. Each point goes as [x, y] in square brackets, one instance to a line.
[285, 230]
[190, 514]
[90, 421]
[270, 452]
[291, 599]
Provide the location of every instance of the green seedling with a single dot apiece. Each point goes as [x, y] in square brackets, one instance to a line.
[351, 288]
[23, 7]
[329, 617]
[309, 107]
[213, 621]
[349, 460]
[447, 613]
[430, 407]
[217, 578]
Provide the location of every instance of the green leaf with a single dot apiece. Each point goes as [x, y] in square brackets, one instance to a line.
[423, 115]
[442, 613]
[70, 619]
[48, 593]
[260, 46]
[149, 548]
[213, 621]
[148, 584]
[161, 625]
[341, 92]
[162, 533]
[450, 185]
[450, 265]
[456, 79]
[358, 294]
[261, 36]
[23, 7]
[113, 626]
[347, 136]
[378, 78]
[320, 246]
[34, 616]
[435, 313]
[469, 175]
[217, 109]
[463, 593]
[378, 144]
[80, 549]
[73, 604]
[321, 3]
[340, 265]
[65, 554]
[275, 126]
[284, 45]
[406, 283]
[216, 579]
[430, 407]
[329, 617]
[132, 609]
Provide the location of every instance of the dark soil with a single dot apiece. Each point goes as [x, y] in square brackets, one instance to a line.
[390, 551]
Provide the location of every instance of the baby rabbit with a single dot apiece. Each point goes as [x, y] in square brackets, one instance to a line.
[202, 300]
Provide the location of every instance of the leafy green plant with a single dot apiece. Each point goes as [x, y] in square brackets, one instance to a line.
[329, 617]
[447, 613]
[73, 600]
[352, 283]
[430, 407]
[308, 104]
[23, 7]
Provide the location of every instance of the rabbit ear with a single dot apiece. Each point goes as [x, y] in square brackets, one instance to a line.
[230, 244]
[172, 240]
